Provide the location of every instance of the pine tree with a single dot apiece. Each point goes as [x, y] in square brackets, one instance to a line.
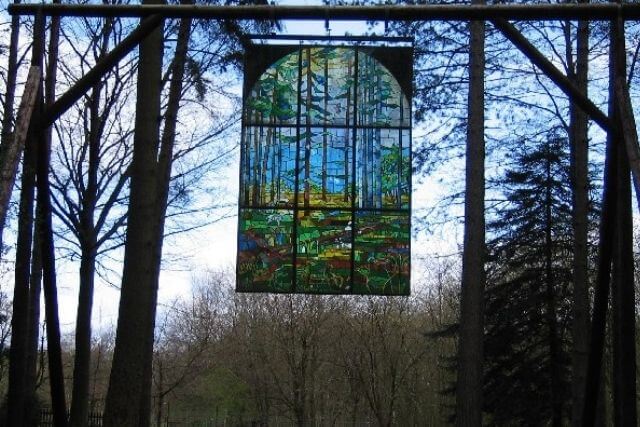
[528, 307]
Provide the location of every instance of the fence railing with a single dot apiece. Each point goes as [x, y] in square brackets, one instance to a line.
[46, 418]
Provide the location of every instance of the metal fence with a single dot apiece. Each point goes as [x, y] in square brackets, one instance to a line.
[46, 418]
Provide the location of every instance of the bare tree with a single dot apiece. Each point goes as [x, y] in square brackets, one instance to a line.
[90, 183]
[382, 353]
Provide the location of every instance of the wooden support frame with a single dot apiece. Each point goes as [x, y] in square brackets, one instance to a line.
[622, 129]
[73, 94]
[25, 111]
[426, 12]
[628, 132]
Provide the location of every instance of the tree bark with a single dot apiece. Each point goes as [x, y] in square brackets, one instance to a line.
[33, 331]
[165, 163]
[608, 216]
[128, 386]
[82, 361]
[152, 171]
[9, 153]
[45, 234]
[550, 315]
[623, 293]
[18, 350]
[470, 348]
[16, 393]
[578, 138]
[89, 247]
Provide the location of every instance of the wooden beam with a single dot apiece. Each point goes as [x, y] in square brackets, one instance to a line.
[426, 12]
[550, 70]
[77, 91]
[9, 169]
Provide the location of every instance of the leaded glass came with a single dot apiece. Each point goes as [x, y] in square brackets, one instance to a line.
[325, 176]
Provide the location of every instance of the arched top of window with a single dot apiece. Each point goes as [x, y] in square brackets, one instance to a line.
[328, 86]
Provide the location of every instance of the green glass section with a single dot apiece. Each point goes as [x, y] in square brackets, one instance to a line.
[383, 168]
[380, 99]
[265, 250]
[327, 86]
[324, 251]
[381, 253]
[323, 81]
[324, 176]
[274, 98]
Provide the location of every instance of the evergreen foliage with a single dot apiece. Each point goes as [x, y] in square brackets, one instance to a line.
[526, 380]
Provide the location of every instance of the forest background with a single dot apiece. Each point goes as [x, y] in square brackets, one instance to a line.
[320, 360]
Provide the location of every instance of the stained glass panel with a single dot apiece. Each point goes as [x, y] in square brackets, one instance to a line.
[383, 168]
[325, 176]
[274, 98]
[380, 99]
[381, 253]
[327, 86]
[269, 164]
[265, 250]
[323, 259]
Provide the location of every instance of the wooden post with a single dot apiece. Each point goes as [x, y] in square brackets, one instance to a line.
[16, 393]
[624, 350]
[380, 13]
[11, 157]
[45, 234]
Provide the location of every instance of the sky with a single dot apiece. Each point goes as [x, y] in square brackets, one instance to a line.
[214, 247]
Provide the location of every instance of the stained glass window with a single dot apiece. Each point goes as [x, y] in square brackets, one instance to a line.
[325, 175]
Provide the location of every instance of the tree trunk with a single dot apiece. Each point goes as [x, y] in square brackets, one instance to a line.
[45, 233]
[470, 348]
[9, 162]
[16, 393]
[579, 143]
[623, 305]
[160, 400]
[151, 171]
[554, 345]
[128, 386]
[624, 352]
[33, 331]
[594, 385]
[54, 349]
[19, 320]
[82, 361]
[89, 247]
[165, 163]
